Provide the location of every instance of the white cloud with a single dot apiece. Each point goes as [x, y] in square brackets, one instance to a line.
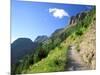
[58, 13]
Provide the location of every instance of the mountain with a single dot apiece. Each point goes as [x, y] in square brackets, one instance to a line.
[57, 32]
[40, 39]
[24, 46]
[63, 47]
[79, 17]
[21, 47]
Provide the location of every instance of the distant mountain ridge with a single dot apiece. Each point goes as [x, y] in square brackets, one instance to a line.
[20, 48]
[24, 46]
[52, 53]
[41, 38]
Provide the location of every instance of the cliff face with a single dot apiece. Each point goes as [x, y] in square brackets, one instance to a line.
[78, 17]
[78, 39]
[87, 46]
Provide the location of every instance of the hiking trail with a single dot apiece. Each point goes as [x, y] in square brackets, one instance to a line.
[75, 61]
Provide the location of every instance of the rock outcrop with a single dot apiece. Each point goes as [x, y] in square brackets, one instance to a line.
[74, 19]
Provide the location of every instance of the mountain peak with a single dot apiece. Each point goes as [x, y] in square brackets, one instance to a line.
[41, 38]
[80, 16]
[20, 47]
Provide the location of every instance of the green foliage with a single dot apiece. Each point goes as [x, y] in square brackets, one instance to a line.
[51, 55]
[40, 53]
[23, 64]
[79, 32]
[55, 61]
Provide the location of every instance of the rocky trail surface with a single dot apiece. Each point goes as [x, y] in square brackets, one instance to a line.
[75, 61]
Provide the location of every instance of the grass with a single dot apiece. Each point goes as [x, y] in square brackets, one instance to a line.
[57, 58]
[55, 61]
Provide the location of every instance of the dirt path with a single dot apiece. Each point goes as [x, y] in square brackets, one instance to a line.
[74, 60]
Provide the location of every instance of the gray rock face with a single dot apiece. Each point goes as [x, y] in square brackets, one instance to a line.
[73, 20]
[78, 17]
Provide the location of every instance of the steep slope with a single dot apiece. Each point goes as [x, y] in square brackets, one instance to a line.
[75, 62]
[57, 32]
[88, 47]
[57, 48]
[82, 55]
[40, 39]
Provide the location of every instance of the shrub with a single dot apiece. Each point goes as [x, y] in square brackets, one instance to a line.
[42, 54]
[79, 32]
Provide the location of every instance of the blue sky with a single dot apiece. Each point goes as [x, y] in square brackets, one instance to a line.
[31, 19]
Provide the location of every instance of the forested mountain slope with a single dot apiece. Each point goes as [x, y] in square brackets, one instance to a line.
[53, 55]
